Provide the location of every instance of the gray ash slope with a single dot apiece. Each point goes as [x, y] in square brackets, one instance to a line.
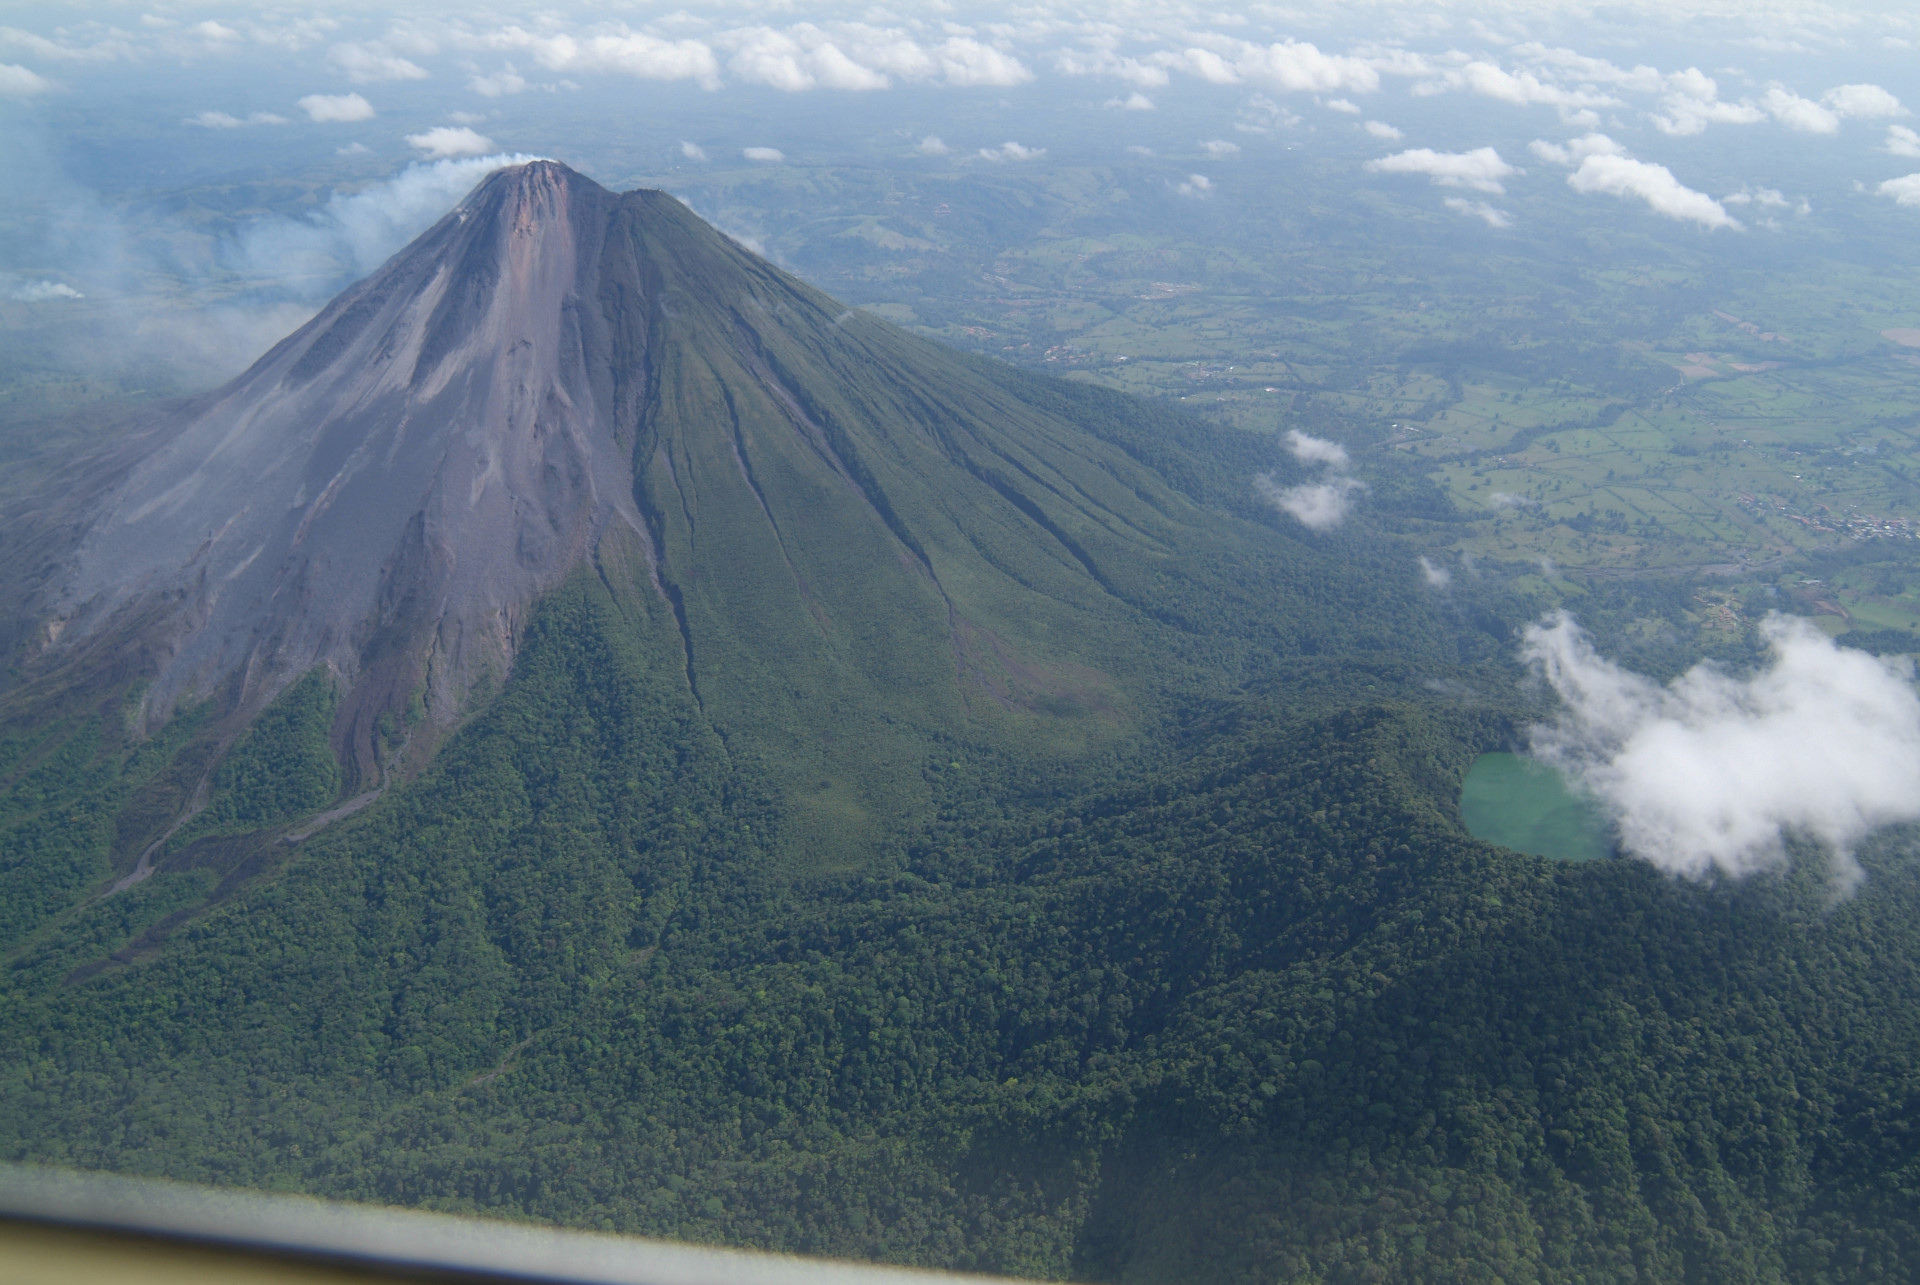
[427, 455]
[854, 538]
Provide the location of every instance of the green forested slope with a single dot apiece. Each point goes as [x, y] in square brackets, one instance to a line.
[871, 543]
[1259, 1011]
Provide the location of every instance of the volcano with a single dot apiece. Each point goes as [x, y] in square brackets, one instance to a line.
[592, 730]
[851, 538]
[386, 490]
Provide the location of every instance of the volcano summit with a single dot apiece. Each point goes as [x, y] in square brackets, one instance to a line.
[389, 488]
[852, 539]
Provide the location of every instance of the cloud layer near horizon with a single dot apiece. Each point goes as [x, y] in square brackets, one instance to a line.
[832, 46]
[1710, 774]
[843, 47]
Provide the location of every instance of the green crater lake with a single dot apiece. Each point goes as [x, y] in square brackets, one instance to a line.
[1525, 805]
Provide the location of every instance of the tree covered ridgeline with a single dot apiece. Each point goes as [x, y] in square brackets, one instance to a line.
[1256, 1010]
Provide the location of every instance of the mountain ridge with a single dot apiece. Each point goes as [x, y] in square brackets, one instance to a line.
[860, 543]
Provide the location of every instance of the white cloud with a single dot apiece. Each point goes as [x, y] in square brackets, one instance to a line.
[1297, 67]
[372, 62]
[1576, 151]
[1134, 102]
[446, 141]
[772, 155]
[1316, 450]
[291, 34]
[932, 146]
[806, 56]
[1480, 210]
[1902, 141]
[1480, 169]
[344, 108]
[1604, 166]
[693, 151]
[965, 62]
[1655, 184]
[1767, 197]
[1104, 62]
[1389, 61]
[1525, 89]
[507, 80]
[1381, 130]
[1905, 190]
[1197, 185]
[1343, 106]
[115, 46]
[635, 54]
[1011, 151]
[1711, 773]
[887, 50]
[1219, 148]
[1436, 576]
[798, 59]
[42, 292]
[1318, 506]
[1209, 66]
[1864, 102]
[222, 120]
[1693, 102]
[1642, 79]
[20, 82]
[353, 149]
[1797, 113]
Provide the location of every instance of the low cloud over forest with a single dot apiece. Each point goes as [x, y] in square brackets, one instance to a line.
[1713, 773]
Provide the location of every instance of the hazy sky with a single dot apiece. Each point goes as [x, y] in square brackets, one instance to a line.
[333, 132]
[416, 80]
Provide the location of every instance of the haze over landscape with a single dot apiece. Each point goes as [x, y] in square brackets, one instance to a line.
[1106, 642]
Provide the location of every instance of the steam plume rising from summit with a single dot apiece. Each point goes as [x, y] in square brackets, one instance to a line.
[1711, 773]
